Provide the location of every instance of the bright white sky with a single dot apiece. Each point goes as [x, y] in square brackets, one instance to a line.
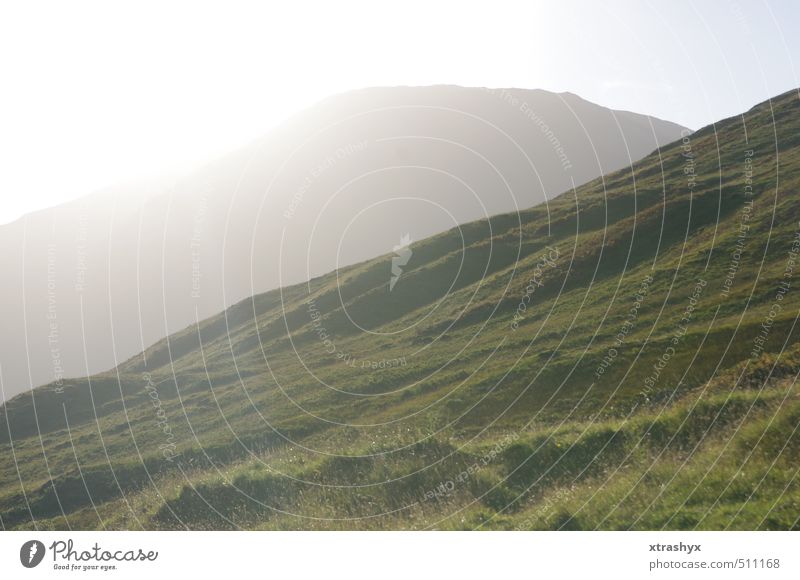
[92, 93]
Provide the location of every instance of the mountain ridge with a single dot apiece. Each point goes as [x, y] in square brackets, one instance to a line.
[205, 239]
[580, 353]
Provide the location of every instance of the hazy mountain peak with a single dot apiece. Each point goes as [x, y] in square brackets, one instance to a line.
[337, 184]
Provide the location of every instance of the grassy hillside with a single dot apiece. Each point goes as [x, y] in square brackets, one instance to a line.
[622, 357]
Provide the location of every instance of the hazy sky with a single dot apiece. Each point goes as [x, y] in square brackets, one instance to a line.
[96, 92]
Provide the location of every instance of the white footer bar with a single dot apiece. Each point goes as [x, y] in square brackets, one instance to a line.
[379, 555]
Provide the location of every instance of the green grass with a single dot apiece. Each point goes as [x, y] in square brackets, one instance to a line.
[491, 421]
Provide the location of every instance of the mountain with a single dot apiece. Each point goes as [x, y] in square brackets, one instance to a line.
[95, 281]
[623, 356]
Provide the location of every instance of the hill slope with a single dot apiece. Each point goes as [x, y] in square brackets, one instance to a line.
[623, 356]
